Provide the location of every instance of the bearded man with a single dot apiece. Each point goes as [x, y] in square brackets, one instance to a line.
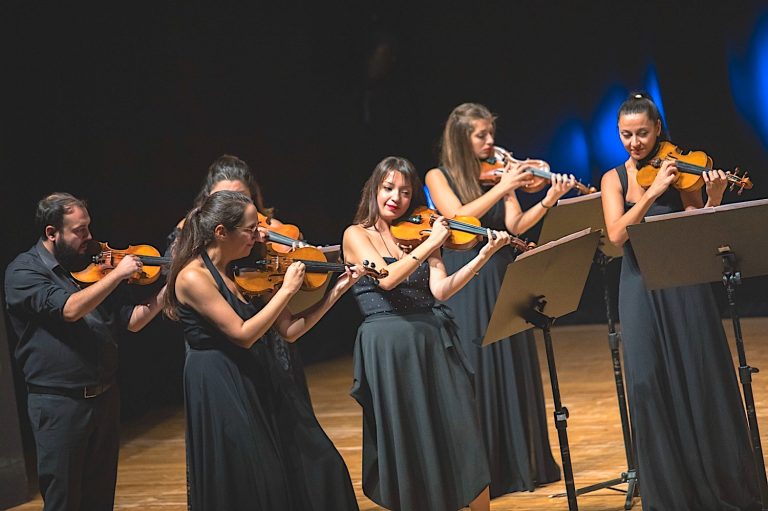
[67, 352]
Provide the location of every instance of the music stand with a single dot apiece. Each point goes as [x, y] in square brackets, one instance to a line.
[561, 269]
[724, 243]
[569, 216]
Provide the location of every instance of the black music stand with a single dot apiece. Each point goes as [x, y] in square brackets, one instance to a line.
[561, 268]
[725, 243]
[569, 216]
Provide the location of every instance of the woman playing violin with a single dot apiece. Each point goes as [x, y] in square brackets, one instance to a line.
[249, 444]
[229, 172]
[689, 426]
[422, 442]
[507, 375]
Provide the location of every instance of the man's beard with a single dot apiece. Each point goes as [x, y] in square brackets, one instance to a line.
[70, 258]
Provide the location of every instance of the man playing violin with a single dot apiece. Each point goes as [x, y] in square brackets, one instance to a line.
[67, 351]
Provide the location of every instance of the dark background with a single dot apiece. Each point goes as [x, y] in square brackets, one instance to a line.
[126, 105]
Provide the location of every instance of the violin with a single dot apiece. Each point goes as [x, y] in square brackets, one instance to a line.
[281, 238]
[466, 231]
[267, 275]
[492, 168]
[691, 165]
[109, 257]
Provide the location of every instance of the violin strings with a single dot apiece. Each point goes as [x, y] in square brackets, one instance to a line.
[689, 168]
[463, 226]
[280, 238]
[149, 260]
[311, 266]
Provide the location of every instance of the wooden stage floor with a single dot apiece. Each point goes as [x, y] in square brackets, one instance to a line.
[152, 470]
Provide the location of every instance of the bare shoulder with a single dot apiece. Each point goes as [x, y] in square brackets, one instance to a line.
[435, 173]
[355, 232]
[610, 180]
[193, 276]
[354, 241]
[435, 177]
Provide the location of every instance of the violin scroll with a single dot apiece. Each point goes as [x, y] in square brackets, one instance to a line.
[369, 270]
[742, 182]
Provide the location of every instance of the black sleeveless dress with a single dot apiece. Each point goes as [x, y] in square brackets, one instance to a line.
[422, 446]
[253, 441]
[286, 354]
[507, 375]
[691, 434]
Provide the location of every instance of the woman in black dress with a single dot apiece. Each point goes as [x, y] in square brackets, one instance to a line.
[229, 172]
[507, 375]
[251, 444]
[689, 426]
[422, 446]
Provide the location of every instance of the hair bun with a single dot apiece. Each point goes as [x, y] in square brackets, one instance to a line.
[639, 94]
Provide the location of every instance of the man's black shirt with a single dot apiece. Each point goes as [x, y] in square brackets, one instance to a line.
[51, 351]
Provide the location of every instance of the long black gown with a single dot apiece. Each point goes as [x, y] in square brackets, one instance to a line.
[422, 447]
[689, 426]
[507, 375]
[253, 441]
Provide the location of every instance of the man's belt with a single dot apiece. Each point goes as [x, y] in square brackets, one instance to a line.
[87, 392]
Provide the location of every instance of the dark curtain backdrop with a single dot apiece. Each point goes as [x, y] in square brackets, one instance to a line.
[127, 105]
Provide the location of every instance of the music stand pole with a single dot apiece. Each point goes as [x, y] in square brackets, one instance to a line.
[535, 315]
[614, 340]
[570, 216]
[731, 279]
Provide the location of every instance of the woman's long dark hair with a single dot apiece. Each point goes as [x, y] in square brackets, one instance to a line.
[368, 209]
[457, 156]
[223, 208]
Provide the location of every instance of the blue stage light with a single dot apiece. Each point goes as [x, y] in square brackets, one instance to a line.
[748, 75]
[569, 152]
[653, 88]
[606, 148]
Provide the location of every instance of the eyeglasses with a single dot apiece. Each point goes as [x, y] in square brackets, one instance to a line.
[254, 231]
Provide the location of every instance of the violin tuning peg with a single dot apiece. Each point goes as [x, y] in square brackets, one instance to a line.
[373, 265]
[365, 262]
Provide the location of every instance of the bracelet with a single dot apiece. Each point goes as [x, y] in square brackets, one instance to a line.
[546, 207]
